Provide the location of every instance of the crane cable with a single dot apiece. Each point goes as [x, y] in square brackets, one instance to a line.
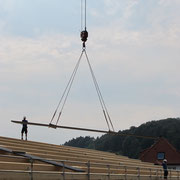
[68, 88]
[69, 84]
[103, 105]
[84, 35]
[83, 14]
[66, 91]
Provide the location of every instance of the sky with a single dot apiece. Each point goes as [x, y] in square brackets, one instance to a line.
[133, 47]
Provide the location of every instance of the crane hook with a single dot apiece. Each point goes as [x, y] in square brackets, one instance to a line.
[84, 36]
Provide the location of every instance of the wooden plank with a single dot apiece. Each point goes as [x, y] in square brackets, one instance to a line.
[27, 166]
[57, 153]
[57, 148]
[77, 157]
[83, 129]
[40, 159]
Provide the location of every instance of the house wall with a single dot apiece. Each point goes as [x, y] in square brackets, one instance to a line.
[175, 167]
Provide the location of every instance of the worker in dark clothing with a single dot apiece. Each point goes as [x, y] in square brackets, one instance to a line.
[164, 164]
[24, 128]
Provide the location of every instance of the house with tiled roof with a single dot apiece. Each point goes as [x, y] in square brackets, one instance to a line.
[160, 150]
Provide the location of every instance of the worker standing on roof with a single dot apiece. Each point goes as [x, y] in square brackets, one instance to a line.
[24, 127]
[165, 168]
[164, 165]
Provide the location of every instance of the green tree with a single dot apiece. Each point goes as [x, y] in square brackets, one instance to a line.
[132, 146]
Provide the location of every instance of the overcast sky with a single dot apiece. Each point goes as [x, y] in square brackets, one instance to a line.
[133, 46]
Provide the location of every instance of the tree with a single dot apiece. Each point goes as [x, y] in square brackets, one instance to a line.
[132, 146]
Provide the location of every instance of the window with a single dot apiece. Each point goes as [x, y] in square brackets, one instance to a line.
[160, 155]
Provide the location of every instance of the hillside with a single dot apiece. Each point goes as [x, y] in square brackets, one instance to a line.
[132, 146]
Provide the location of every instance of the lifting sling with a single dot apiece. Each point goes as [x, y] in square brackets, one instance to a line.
[59, 109]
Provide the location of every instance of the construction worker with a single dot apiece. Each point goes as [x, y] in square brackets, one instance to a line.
[24, 128]
[165, 168]
[164, 165]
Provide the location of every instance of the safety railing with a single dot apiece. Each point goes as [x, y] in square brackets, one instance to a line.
[110, 171]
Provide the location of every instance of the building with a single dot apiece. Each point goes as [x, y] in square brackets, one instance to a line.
[160, 150]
